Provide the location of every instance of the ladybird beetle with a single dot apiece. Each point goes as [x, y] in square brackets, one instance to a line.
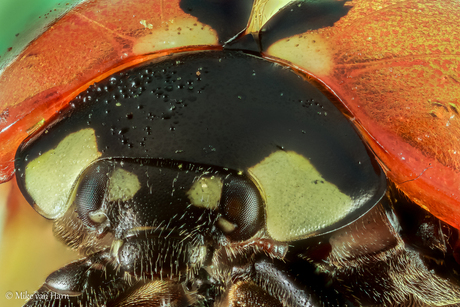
[242, 153]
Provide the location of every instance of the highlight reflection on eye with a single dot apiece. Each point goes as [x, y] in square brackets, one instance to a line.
[241, 152]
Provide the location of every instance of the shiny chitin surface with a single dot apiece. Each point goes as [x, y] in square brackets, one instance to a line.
[390, 66]
[393, 64]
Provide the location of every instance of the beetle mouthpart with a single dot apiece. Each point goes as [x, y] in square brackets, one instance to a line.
[115, 248]
[133, 232]
[198, 255]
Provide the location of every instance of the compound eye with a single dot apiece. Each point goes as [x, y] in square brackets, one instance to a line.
[89, 197]
[241, 208]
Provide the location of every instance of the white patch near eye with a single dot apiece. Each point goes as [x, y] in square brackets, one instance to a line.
[123, 185]
[298, 200]
[206, 192]
[180, 33]
[98, 216]
[225, 225]
[310, 51]
[49, 178]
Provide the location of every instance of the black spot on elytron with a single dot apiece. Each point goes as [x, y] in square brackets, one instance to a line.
[226, 109]
[227, 18]
[302, 16]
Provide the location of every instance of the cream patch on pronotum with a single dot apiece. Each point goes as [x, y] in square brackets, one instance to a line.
[49, 178]
[299, 201]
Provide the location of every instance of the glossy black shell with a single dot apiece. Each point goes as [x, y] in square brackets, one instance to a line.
[226, 109]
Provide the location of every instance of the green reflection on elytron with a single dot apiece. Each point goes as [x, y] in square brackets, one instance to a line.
[21, 21]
